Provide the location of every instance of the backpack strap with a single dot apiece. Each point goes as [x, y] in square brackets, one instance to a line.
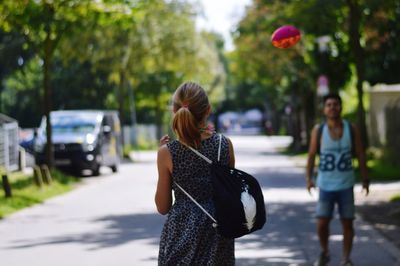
[219, 147]
[204, 157]
[353, 145]
[319, 134]
[201, 155]
[198, 204]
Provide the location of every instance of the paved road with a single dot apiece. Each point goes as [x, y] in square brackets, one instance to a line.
[111, 220]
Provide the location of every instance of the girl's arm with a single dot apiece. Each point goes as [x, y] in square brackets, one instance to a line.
[163, 197]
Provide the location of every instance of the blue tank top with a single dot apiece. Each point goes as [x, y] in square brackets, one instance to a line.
[335, 171]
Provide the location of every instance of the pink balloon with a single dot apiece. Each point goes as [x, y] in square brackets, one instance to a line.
[285, 36]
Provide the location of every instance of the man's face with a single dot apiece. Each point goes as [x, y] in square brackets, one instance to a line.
[332, 108]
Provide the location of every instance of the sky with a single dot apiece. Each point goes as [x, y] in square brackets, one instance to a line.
[221, 16]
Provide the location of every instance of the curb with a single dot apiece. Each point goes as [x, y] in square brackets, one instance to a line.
[387, 245]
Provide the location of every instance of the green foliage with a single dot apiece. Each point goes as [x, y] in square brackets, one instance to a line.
[359, 35]
[382, 45]
[78, 87]
[280, 71]
[379, 170]
[26, 193]
[142, 144]
[43, 24]
[23, 95]
[14, 52]
[395, 197]
[126, 150]
[145, 145]
[99, 50]
[154, 94]
[102, 54]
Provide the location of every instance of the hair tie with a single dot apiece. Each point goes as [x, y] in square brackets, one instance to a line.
[208, 128]
[185, 105]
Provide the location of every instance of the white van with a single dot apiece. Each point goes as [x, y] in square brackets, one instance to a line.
[82, 139]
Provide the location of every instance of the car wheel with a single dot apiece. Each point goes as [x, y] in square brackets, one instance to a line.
[114, 168]
[96, 171]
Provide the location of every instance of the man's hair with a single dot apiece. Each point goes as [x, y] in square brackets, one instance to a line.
[332, 96]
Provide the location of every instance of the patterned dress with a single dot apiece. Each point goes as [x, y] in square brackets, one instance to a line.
[188, 237]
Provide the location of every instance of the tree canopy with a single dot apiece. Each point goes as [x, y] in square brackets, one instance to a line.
[340, 40]
[124, 54]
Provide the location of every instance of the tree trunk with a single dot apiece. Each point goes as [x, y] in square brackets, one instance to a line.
[122, 82]
[159, 117]
[309, 109]
[296, 120]
[121, 102]
[358, 54]
[47, 59]
[1, 93]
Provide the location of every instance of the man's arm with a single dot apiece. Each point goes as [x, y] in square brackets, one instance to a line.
[362, 162]
[312, 151]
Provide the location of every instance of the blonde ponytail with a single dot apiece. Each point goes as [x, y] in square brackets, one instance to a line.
[191, 107]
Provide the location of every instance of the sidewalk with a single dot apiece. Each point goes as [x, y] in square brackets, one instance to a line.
[383, 215]
[377, 212]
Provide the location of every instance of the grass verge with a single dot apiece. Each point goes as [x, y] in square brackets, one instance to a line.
[395, 197]
[25, 193]
[380, 171]
[141, 146]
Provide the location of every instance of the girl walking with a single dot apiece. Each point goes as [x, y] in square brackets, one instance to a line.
[188, 237]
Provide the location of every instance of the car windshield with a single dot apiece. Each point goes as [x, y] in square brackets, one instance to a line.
[72, 124]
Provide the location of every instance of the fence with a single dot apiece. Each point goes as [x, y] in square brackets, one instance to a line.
[392, 147]
[384, 124]
[141, 135]
[381, 98]
[9, 147]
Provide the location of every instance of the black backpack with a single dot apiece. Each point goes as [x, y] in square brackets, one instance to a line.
[237, 194]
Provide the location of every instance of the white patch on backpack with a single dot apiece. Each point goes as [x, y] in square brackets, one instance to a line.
[250, 208]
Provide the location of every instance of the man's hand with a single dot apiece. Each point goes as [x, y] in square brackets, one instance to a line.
[164, 140]
[310, 185]
[365, 186]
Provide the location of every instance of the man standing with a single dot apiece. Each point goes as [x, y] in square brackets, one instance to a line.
[335, 141]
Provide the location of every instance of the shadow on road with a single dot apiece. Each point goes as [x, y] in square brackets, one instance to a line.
[288, 238]
[280, 178]
[285, 239]
[115, 230]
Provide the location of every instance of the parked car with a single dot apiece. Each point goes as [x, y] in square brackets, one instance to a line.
[28, 145]
[82, 140]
